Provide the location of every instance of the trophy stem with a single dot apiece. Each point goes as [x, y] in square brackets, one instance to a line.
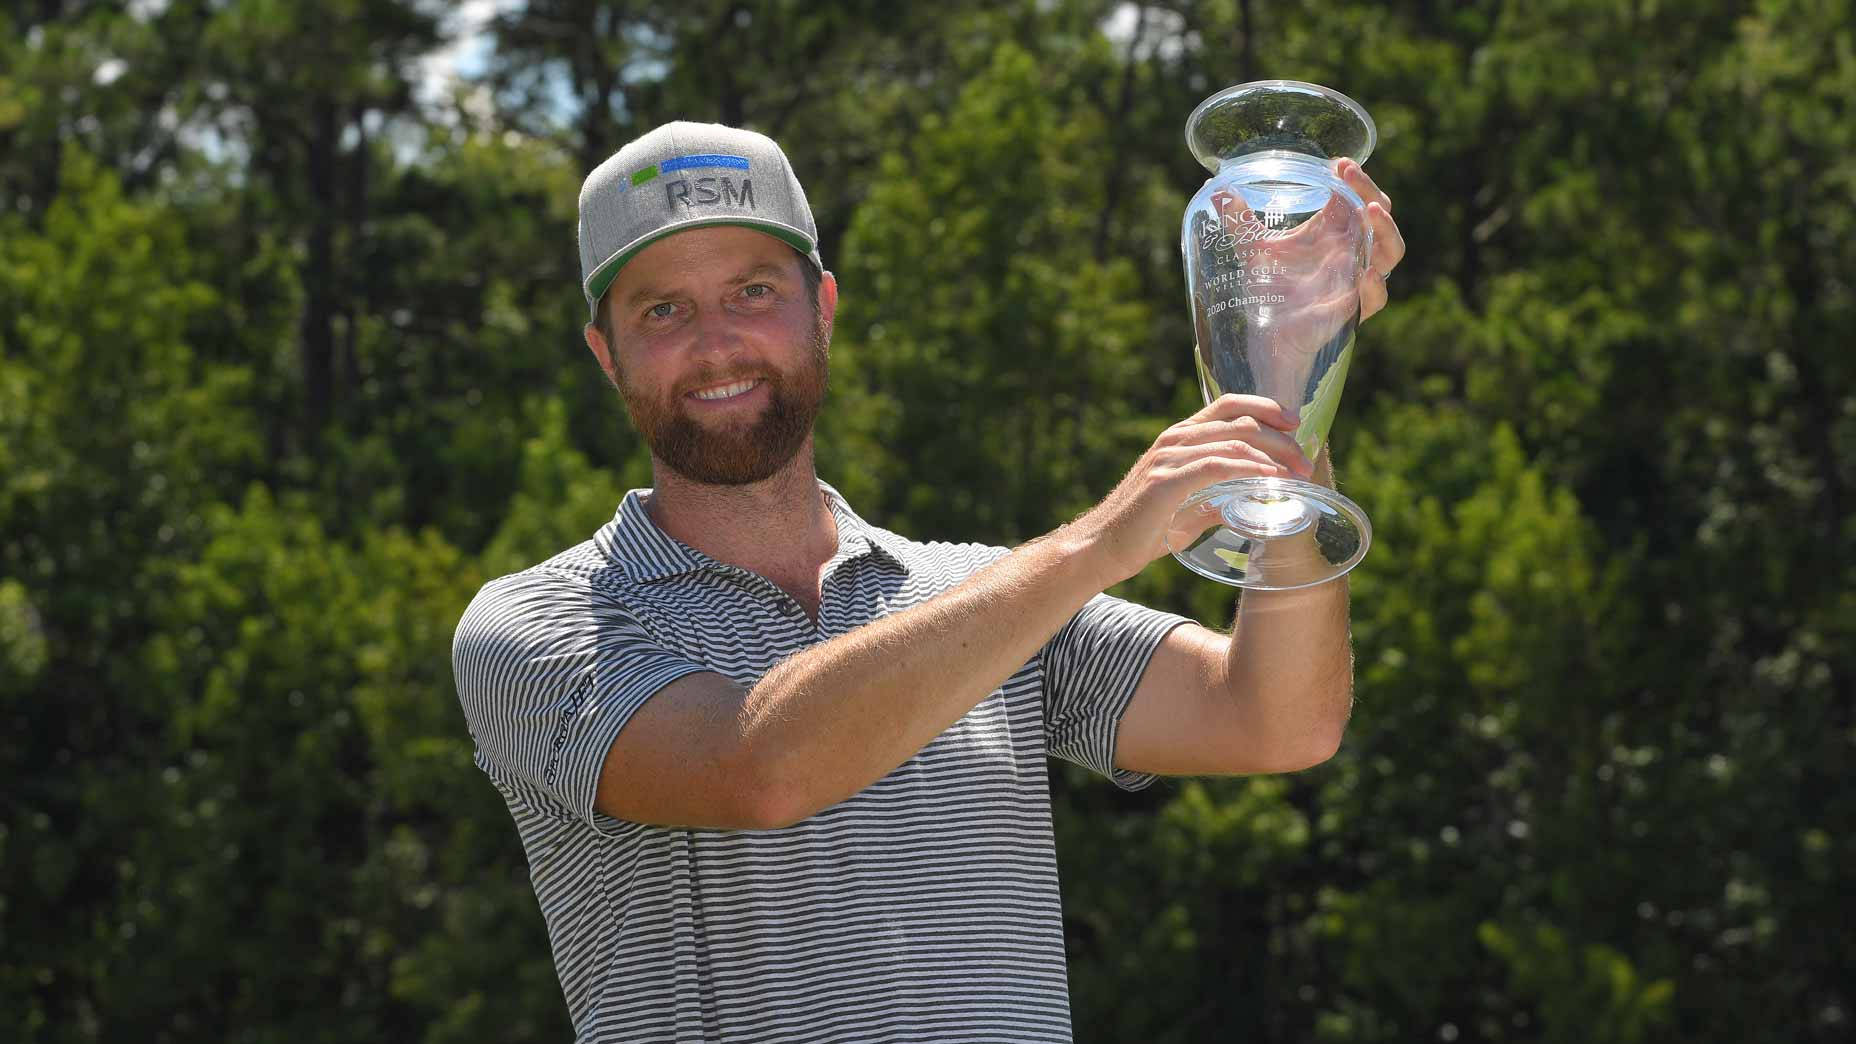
[1269, 534]
[1265, 513]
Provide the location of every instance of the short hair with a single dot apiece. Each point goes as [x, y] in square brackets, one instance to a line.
[602, 320]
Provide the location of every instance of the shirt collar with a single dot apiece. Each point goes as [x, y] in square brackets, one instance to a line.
[646, 553]
[857, 537]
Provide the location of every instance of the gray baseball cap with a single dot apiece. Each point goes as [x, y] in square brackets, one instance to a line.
[687, 175]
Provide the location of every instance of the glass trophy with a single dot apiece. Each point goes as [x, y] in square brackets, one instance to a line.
[1274, 245]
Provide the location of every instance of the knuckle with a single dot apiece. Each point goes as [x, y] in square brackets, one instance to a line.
[1170, 465]
[1202, 473]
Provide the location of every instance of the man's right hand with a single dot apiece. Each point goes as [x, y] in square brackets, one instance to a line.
[1237, 436]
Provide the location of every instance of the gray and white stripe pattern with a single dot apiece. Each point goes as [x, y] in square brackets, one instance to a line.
[924, 908]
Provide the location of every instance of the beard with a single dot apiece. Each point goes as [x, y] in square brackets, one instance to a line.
[738, 453]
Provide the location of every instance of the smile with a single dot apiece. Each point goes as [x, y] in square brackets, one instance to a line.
[725, 391]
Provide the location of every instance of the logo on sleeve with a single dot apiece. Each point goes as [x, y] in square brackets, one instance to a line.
[570, 708]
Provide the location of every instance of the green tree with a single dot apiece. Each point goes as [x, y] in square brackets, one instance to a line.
[290, 362]
[115, 434]
[988, 350]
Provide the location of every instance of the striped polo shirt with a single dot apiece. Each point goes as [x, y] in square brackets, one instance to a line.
[923, 908]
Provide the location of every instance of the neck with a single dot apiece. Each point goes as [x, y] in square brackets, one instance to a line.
[777, 527]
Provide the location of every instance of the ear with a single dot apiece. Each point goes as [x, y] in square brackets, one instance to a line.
[827, 299]
[596, 343]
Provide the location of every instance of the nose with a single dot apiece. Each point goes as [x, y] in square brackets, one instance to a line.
[716, 340]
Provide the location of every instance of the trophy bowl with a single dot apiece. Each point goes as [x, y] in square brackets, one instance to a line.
[1274, 245]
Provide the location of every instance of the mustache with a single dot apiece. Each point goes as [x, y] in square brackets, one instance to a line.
[712, 379]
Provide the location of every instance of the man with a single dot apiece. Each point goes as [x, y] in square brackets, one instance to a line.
[780, 773]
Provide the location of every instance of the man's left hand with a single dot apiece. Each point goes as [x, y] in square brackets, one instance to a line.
[1388, 243]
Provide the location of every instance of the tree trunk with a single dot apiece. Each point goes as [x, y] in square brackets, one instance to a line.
[1118, 132]
[318, 276]
[355, 286]
[596, 116]
[1247, 47]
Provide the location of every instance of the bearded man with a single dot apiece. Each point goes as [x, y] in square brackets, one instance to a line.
[779, 772]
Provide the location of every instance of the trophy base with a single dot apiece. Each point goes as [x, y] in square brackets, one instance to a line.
[1269, 534]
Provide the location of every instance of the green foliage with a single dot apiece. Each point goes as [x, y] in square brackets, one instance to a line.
[559, 498]
[22, 640]
[1589, 993]
[980, 323]
[290, 362]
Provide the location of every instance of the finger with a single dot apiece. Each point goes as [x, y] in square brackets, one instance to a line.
[1185, 527]
[1214, 469]
[1232, 405]
[1286, 460]
[1362, 183]
[1388, 241]
[1373, 294]
[1240, 449]
[1240, 438]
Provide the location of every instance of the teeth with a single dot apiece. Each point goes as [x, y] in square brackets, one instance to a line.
[726, 390]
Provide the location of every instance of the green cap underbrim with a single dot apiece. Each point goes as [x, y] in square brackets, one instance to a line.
[602, 277]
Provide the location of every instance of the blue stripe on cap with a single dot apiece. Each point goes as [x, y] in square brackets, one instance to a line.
[693, 162]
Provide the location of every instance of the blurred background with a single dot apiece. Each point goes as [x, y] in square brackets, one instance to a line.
[290, 363]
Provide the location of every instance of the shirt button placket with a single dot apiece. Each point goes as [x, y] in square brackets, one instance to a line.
[791, 607]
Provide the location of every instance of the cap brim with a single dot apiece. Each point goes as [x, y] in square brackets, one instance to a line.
[602, 277]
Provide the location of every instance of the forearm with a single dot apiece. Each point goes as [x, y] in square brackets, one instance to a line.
[1290, 658]
[841, 715]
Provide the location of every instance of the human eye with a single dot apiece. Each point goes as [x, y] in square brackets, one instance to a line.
[661, 310]
[757, 290]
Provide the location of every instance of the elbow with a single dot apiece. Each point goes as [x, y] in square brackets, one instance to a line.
[1323, 739]
[1325, 745]
[1314, 750]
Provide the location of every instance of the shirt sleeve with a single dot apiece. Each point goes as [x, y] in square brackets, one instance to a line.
[548, 671]
[1091, 669]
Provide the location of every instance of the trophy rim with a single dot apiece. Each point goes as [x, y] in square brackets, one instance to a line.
[1236, 93]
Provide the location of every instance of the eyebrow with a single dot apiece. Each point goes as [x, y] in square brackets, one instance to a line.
[763, 270]
[760, 271]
